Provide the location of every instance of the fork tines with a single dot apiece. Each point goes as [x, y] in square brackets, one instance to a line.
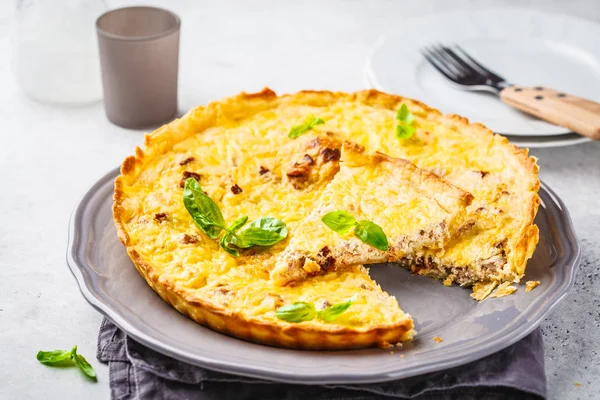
[455, 64]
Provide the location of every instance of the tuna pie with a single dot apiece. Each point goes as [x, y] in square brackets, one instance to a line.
[255, 214]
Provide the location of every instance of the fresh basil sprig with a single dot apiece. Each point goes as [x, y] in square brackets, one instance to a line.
[372, 234]
[301, 129]
[265, 231]
[228, 236]
[204, 211]
[330, 313]
[340, 221]
[297, 312]
[85, 366]
[369, 232]
[55, 357]
[301, 311]
[405, 128]
[65, 358]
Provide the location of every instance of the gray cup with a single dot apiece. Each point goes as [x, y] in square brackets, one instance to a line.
[139, 57]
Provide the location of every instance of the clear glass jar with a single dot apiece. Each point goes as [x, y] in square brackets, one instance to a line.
[55, 50]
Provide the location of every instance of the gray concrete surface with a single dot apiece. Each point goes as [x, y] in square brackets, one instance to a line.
[49, 156]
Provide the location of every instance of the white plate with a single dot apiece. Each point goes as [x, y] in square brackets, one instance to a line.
[526, 47]
[569, 139]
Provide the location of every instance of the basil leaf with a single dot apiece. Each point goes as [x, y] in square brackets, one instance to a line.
[205, 212]
[227, 238]
[332, 312]
[308, 124]
[225, 242]
[405, 131]
[265, 231]
[237, 224]
[315, 122]
[404, 115]
[54, 357]
[372, 234]
[85, 366]
[208, 217]
[296, 312]
[66, 357]
[340, 221]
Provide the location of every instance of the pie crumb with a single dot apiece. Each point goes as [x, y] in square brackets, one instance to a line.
[438, 339]
[481, 290]
[530, 285]
[578, 384]
[311, 266]
[504, 290]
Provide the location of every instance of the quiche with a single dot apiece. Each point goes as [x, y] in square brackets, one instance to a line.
[240, 153]
[418, 211]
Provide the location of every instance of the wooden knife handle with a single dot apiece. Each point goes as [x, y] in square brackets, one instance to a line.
[575, 113]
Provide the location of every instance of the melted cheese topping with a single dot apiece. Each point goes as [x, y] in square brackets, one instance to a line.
[239, 146]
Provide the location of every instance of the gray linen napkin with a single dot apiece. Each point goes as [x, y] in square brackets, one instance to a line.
[137, 372]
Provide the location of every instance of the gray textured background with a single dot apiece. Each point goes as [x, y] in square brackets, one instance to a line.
[49, 156]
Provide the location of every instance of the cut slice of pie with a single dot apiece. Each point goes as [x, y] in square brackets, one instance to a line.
[418, 212]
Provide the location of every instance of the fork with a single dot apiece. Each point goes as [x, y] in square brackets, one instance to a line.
[575, 113]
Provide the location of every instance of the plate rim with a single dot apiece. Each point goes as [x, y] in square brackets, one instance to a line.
[370, 80]
[525, 143]
[77, 268]
[568, 139]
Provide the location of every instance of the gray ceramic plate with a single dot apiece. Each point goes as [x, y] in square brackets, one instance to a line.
[469, 329]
